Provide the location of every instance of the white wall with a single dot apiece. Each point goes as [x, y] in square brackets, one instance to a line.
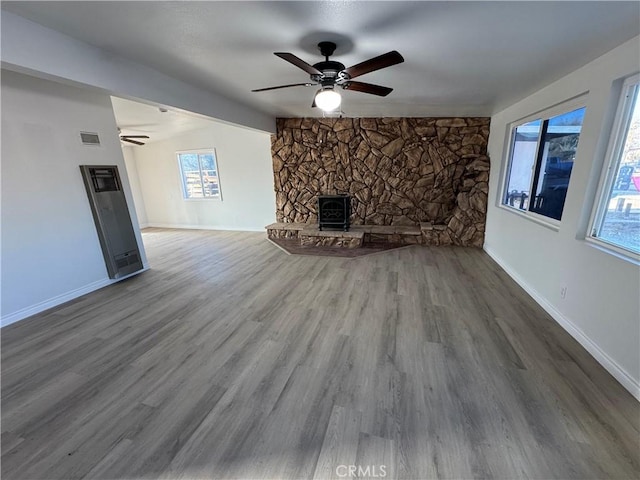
[50, 248]
[601, 308]
[134, 182]
[246, 180]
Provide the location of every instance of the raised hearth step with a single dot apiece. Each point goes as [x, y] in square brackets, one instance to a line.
[381, 229]
[388, 229]
[315, 232]
[286, 230]
[315, 237]
[310, 234]
[287, 226]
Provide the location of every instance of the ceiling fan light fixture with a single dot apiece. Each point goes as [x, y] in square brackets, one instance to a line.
[327, 99]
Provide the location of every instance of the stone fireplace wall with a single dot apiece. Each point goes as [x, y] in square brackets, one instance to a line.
[398, 171]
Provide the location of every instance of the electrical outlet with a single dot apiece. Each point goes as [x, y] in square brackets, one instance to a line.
[563, 292]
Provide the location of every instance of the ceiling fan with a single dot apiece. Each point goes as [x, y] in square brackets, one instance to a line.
[331, 74]
[127, 138]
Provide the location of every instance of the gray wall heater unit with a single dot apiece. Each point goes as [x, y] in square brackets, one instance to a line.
[113, 222]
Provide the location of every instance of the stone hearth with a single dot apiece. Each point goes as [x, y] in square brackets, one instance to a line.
[309, 235]
[313, 237]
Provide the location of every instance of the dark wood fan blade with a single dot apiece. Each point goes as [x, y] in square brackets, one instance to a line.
[284, 86]
[368, 88]
[373, 64]
[131, 141]
[298, 62]
[134, 136]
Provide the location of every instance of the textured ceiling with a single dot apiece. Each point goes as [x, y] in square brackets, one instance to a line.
[461, 58]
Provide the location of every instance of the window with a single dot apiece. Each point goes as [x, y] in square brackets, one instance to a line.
[541, 158]
[617, 216]
[199, 174]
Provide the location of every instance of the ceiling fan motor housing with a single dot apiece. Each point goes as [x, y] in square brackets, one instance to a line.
[332, 72]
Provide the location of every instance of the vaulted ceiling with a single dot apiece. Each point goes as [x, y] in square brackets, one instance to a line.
[461, 58]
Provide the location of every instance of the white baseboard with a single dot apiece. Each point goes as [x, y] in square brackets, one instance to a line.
[609, 364]
[203, 227]
[60, 299]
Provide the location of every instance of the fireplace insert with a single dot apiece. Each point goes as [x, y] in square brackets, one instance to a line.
[334, 211]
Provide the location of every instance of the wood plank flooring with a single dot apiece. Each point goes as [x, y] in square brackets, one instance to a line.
[230, 359]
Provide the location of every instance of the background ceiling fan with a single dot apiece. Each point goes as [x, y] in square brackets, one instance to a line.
[329, 74]
[128, 138]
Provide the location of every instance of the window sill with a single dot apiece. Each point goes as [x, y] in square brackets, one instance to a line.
[613, 250]
[532, 217]
[203, 199]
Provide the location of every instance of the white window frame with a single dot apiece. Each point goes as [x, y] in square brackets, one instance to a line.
[630, 88]
[546, 114]
[200, 151]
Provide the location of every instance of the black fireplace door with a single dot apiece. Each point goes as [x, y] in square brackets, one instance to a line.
[334, 211]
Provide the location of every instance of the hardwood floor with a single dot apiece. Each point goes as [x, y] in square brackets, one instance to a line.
[230, 359]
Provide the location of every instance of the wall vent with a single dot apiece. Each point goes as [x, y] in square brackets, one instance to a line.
[126, 259]
[89, 138]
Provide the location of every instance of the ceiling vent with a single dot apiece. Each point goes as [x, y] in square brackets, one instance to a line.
[89, 138]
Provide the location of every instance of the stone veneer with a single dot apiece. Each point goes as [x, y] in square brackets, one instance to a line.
[398, 171]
